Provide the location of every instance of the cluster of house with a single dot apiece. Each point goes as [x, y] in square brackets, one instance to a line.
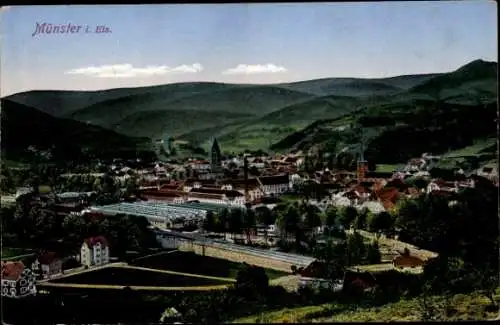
[19, 278]
[365, 277]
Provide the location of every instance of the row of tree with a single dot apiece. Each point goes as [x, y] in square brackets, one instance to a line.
[298, 221]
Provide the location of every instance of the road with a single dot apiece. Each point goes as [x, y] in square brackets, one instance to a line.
[80, 270]
[176, 273]
[119, 287]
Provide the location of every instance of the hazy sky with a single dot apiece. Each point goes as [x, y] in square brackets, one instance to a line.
[254, 43]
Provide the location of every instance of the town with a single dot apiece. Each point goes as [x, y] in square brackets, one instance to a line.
[274, 212]
[250, 163]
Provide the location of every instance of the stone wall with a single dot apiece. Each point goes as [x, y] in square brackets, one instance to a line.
[236, 257]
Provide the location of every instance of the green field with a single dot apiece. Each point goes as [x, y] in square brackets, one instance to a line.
[388, 168]
[9, 253]
[462, 307]
[472, 150]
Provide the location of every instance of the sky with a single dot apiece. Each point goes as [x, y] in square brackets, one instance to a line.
[238, 43]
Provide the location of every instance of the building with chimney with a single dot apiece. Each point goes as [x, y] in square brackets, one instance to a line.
[362, 165]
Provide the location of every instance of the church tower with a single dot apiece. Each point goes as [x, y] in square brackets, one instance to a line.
[362, 163]
[215, 156]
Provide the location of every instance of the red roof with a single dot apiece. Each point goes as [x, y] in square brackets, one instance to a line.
[12, 270]
[195, 195]
[47, 258]
[408, 261]
[205, 190]
[389, 196]
[94, 240]
[316, 269]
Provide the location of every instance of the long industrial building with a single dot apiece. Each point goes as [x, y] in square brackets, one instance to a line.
[162, 214]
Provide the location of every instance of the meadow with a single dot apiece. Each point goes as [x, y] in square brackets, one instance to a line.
[9, 253]
[458, 307]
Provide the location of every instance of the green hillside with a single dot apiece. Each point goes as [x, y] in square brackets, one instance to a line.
[64, 103]
[404, 125]
[26, 130]
[459, 307]
[358, 86]
[158, 112]
[431, 109]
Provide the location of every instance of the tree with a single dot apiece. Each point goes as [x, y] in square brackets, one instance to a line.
[333, 257]
[7, 181]
[331, 218]
[347, 216]
[428, 310]
[372, 166]
[312, 218]
[373, 255]
[209, 223]
[235, 221]
[361, 219]
[382, 221]
[266, 217]
[249, 221]
[223, 221]
[252, 280]
[131, 187]
[289, 221]
[356, 249]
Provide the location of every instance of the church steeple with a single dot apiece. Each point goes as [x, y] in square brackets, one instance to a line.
[362, 163]
[215, 155]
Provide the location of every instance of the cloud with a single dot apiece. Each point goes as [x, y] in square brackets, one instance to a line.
[255, 69]
[129, 71]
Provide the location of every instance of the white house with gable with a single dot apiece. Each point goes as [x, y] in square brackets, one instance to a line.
[94, 251]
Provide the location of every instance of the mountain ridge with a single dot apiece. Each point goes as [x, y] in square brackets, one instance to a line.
[258, 116]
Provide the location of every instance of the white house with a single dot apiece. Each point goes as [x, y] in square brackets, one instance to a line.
[296, 179]
[340, 200]
[372, 206]
[94, 251]
[18, 281]
[200, 165]
[257, 163]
